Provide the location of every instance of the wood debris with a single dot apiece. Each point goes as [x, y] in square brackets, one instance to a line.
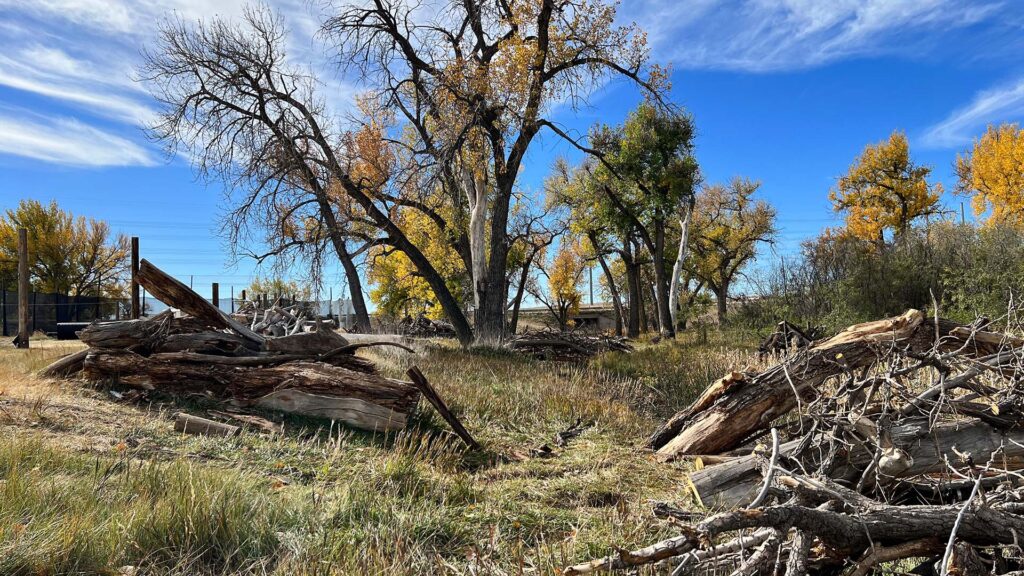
[896, 440]
[566, 346]
[200, 349]
[424, 327]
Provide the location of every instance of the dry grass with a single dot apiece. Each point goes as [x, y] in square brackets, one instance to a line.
[92, 485]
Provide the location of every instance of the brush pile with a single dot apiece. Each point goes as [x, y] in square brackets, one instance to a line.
[201, 350]
[896, 440]
[278, 319]
[423, 327]
[565, 346]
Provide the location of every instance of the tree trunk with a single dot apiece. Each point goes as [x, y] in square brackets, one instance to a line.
[616, 299]
[475, 189]
[633, 291]
[513, 323]
[661, 282]
[721, 302]
[355, 288]
[677, 268]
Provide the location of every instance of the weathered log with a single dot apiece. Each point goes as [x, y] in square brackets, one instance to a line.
[205, 343]
[307, 343]
[737, 406]
[65, 366]
[735, 483]
[359, 399]
[189, 424]
[341, 360]
[842, 534]
[173, 293]
[126, 333]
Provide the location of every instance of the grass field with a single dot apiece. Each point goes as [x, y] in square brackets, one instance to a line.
[90, 484]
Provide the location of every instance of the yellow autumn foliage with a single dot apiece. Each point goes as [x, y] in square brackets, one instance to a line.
[398, 288]
[993, 171]
[884, 190]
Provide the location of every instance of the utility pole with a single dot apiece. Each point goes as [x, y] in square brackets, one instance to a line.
[23, 288]
[136, 308]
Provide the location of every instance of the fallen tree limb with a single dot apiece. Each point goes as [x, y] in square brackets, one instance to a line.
[173, 293]
[65, 366]
[420, 381]
[738, 406]
[188, 424]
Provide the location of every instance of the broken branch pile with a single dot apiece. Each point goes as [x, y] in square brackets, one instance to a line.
[424, 327]
[279, 320]
[566, 346]
[211, 353]
[894, 440]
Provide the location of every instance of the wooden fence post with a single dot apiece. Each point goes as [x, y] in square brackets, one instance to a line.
[23, 287]
[216, 295]
[136, 307]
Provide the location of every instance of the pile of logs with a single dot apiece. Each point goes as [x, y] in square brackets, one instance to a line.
[900, 440]
[424, 327]
[565, 346]
[202, 350]
[278, 320]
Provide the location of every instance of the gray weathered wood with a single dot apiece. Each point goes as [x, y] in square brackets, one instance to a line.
[174, 293]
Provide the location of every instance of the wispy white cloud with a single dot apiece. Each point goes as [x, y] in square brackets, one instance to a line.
[52, 73]
[778, 35]
[66, 141]
[81, 54]
[1002, 104]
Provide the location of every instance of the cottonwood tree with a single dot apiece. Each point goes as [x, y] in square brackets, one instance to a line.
[557, 283]
[233, 104]
[884, 190]
[649, 174]
[993, 171]
[590, 214]
[532, 232]
[66, 254]
[474, 82]
[728, 224]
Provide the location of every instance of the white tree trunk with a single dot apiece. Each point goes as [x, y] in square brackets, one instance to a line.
[677, 269]
[476, 194]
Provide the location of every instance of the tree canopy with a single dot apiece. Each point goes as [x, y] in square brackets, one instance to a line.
[67, 254]
[884, 190]
[993, 171]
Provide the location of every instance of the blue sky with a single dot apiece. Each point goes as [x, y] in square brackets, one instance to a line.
[786, 92]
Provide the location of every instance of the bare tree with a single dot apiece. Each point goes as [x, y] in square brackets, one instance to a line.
[234, 105]
[474, 81]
